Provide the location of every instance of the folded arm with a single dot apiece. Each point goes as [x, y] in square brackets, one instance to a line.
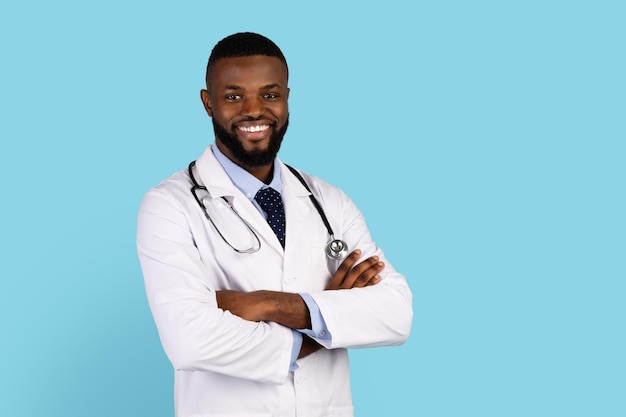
[289, 309]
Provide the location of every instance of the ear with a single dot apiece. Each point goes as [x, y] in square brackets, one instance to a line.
[206, 101]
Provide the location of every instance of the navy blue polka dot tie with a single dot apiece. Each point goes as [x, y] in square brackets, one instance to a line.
[270, 201]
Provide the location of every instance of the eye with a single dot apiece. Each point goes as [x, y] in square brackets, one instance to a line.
[270, 96]
[233, 97]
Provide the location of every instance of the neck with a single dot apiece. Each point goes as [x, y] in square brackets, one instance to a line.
[264, 174]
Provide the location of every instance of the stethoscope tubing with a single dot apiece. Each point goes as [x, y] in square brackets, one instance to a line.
[336, 249]
[197, 186]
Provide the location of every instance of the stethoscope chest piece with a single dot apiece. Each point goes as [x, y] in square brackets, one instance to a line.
[336, 249]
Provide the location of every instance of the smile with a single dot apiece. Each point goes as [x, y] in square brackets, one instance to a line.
[253, 129]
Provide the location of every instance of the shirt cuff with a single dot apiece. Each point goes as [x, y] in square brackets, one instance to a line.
[318, 325]
[295, 350]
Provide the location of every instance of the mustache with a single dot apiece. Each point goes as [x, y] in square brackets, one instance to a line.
[269, 121]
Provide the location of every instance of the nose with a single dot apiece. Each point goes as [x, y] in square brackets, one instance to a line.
[252, 107]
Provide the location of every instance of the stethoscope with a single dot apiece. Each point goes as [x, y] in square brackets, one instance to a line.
[336, 249]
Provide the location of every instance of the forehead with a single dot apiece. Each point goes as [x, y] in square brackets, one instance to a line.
[249, 72]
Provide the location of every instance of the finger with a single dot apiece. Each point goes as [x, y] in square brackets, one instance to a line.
[361, 274]
[375, 280]
[368, 276]
[343, 270]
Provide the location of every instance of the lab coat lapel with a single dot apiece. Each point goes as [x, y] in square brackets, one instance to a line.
[297, 213]
[213, 176]
[219, 185]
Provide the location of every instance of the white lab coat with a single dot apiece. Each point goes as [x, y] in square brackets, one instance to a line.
[227, 366]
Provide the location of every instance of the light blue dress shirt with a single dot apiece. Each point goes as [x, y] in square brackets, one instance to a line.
[249, 185]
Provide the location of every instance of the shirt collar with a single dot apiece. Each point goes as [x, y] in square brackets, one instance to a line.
[243, 180]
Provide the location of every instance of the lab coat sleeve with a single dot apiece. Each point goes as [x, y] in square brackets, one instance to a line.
[378, 315]
[197, 335]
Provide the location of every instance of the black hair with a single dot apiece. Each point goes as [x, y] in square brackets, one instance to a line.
[242, 44]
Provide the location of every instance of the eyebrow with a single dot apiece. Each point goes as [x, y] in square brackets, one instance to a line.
[265, 87]
[270, 86]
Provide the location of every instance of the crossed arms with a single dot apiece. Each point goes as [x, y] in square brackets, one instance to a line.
[289, 309]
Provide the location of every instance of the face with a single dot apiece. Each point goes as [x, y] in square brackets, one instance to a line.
[247, 100]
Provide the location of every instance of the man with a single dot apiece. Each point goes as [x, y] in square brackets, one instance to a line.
[252, 312]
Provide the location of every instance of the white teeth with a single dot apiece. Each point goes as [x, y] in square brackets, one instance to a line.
[252, 129]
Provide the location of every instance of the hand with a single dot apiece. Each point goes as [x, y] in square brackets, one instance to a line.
[362, 275]
[308, 346]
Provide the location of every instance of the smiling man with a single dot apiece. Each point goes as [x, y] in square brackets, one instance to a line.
[246, 97]
[254, 293]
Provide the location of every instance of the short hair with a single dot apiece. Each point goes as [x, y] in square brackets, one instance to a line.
[242, 44]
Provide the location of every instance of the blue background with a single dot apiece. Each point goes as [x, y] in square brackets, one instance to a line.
[484, 142]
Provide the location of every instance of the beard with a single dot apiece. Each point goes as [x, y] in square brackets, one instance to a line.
[255, 158]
